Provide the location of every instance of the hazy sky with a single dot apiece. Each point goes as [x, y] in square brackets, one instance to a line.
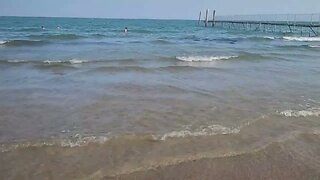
[160, 9]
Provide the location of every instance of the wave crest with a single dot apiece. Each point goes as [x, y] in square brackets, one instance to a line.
[203, 131]
[203, 58]
[301, 113]
[23, 43]
[57, 36]
[305, 39]
[72, 61]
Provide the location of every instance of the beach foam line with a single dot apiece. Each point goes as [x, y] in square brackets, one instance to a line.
[71, 142]
[203, 131]
[203, 58]
[79, 140]
[302, 113]
[305, 39]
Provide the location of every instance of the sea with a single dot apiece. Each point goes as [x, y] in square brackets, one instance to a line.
[169, 99]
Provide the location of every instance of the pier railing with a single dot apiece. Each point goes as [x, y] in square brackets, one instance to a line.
[289, 18]
[303, 24]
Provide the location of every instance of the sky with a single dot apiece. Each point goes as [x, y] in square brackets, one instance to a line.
[152, 9]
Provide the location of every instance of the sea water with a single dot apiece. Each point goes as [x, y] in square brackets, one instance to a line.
[81, 91]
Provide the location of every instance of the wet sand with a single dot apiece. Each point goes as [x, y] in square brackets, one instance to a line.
[271, 163]
[256, 152]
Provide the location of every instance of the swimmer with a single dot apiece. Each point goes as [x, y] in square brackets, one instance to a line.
[125, 30]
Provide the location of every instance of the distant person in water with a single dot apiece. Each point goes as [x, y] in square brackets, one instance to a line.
[125, 30]
[42, 27]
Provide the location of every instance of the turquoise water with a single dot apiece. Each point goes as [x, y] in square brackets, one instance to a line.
[81, 91]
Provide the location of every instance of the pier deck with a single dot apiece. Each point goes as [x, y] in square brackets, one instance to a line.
[304, 24]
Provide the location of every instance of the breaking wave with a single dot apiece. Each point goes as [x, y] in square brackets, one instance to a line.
[240, 56]
[79, 140]
[72, 61]
[314, 46]
[46, 62]
[74, 141]
[2, 42]
[305, 39]
[203, 131]
[16, 61]
[261, 38]
[301, 113]
[203, 58]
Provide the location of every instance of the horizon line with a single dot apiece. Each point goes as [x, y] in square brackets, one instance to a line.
[79, 17]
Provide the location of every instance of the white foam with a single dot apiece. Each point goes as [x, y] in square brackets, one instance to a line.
[314, 46]
[203, 58]
[75, 141]
[302, 113]
[52, 62]
[76, 61]
[204, 131]
[72, 61]
[307, 39]
[269, 37]
[2, 42]
[16, 61]
[79, 140]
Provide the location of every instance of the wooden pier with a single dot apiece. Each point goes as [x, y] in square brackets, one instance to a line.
[284, 24]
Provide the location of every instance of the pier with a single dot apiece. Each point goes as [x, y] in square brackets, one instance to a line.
[303, 24]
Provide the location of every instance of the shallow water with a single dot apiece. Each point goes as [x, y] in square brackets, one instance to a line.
[80, 91]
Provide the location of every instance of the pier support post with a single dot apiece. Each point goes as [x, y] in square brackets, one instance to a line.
[199, 18]
[213, 18]
[206, 19]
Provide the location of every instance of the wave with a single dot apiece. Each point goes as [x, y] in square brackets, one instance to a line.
[304, 46]
[48, 62]
[114, 69]
[57, 36]
[130, 156]
[240, 56]
[2, 42]
[282, 155]
[71, 142]
[203, 58]
[30, 29]
[305, 39]
[177, 68]
[302, 113]
[269, 37]
[79, 140]
[204, 131]
[16, 61]
[14, 43]
[314, 46]
[161, 41]
[98, 35]
[72, 61]
[263, 38]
